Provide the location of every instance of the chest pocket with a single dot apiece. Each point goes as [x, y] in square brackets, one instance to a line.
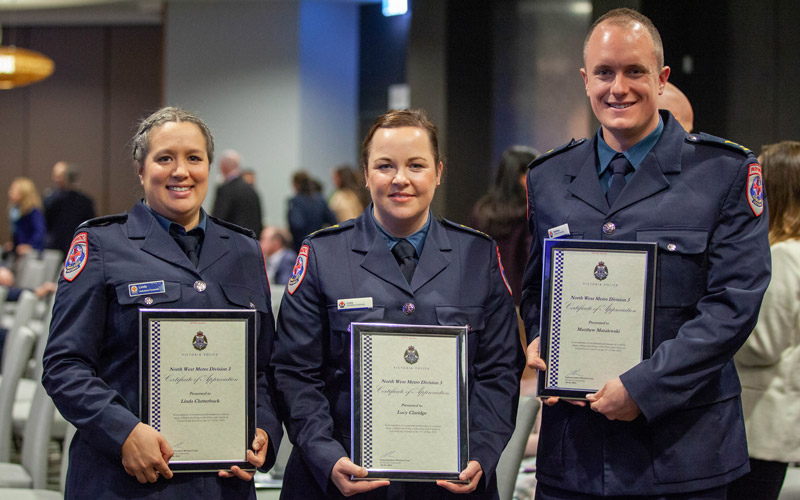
[171, 293]
[339, 321]
[470, 316]
[682, 265]
[242, 296]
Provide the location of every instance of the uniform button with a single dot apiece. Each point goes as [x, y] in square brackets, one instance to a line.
[252, 306]
[148, 301]
[199, 286]
[408, 308]
[609, 228]
[672, 247]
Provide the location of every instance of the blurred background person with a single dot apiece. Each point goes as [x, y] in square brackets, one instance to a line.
[278, 254]
[65, 207]
[237, 201]
[249, 176]
[164, 252]
[769, 362]
[350, 197]
[676, 102]
[307, 211]
[28, 227]
[501, 213]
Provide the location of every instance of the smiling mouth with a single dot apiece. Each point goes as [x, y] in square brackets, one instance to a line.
[401, 196]
[620, 106]
[179, 189]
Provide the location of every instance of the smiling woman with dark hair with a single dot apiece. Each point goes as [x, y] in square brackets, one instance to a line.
[165, 253]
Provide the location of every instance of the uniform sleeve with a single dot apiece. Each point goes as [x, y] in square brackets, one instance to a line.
[497, 368]
[299, 360]
[267, 416]
[74, 347]
[780, 313]
[530, 302]
[681, 369]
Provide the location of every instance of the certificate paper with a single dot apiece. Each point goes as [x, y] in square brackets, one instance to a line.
[409, 404]
[597, 313]
[198, 384]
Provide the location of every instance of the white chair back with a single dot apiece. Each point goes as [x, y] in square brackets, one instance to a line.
[16, 351]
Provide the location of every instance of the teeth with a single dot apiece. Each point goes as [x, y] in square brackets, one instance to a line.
[179, 189]
[620, 106]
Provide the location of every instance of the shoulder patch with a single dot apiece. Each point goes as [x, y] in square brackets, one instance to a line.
[703, 138]
[331, 229]
[299, 271]
[233, 227]
[77, 256]
[755, 189]
[462, 227]
[556, 151]
[105, 220]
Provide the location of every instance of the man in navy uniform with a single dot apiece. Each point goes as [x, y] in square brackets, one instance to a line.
[671, 426]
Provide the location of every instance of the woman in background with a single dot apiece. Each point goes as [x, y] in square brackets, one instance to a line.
[501, 214]
[769, 362]
[350, 197]
[28, 227]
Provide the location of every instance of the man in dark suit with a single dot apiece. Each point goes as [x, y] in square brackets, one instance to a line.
[236, 200]
[65, 208]
[278, 255]
[671, 426]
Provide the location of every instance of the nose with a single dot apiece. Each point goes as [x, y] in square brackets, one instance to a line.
[401, 176]
[180, 169]
[620, 84]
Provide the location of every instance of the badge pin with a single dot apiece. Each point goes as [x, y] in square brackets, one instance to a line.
[408, 308]
[558, 231]
[609, 228]
[354, 303]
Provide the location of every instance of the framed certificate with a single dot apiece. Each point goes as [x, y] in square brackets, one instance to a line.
[597, 313]
[197, 385]
[409, 409]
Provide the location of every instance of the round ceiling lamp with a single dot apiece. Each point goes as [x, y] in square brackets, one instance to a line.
[20, 67]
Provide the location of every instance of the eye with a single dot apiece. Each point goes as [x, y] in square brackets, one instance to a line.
[417, 166]
[383, 167]
[163, 159]
[195, 158]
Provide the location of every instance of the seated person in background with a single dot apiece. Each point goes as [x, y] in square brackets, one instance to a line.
[278, 255]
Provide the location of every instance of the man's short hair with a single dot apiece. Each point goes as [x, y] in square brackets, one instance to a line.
[626, 17]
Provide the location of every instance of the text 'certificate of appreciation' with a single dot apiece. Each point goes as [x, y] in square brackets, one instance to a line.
[597, 313]
[409, 406]
[197, 385]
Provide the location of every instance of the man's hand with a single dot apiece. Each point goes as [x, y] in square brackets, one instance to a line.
[614, 401]
[145, 454]
[340, 475]
[537, 363]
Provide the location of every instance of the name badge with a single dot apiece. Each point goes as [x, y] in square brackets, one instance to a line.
[146, 288]
[357, 303]
[558, 231]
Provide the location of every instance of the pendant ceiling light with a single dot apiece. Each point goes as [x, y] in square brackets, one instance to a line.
[20, 67]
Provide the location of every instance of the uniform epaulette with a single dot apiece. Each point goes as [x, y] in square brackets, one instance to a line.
[105, 220]
[234, 227]
[703, 138]
[556, 151]
[464, 228]
[331, 229]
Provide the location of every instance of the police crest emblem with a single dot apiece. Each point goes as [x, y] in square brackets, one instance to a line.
[601, 271]
[411, 355]
[200, 341]
[299, 270]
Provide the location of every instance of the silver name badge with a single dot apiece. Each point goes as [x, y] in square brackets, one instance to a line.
[356, 303]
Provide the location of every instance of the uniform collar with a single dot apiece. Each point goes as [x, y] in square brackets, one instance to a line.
[417, 239]
[635, 154]
[166, 223]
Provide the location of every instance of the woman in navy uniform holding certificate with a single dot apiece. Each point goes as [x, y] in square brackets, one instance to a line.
[165, 253]
[395, 263]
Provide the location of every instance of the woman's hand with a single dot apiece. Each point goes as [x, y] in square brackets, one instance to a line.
[472, 473]
[146, 454]
[257, 455]
[340, 475]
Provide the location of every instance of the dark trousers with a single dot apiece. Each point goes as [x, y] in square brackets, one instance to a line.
[546, 492]
[763, 482]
